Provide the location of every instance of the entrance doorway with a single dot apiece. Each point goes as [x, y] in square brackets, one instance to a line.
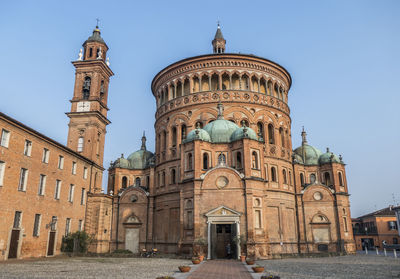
[13, 251]
[52, 242]
[222, 241]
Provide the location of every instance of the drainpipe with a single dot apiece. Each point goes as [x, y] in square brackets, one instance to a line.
[116, 230]
[297, 210]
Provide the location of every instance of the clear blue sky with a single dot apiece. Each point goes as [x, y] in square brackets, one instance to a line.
[343, 57]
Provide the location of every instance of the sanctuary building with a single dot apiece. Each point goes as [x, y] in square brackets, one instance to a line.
[224, 170]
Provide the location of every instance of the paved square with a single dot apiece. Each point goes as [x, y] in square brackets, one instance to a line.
[346, 267]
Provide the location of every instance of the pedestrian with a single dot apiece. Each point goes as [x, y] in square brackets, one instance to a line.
[228, 250]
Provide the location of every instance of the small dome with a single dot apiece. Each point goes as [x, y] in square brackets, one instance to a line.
[240, 134]
[311, 154]
[122, 163]
[197, 134]
[298, 158]
[220, 130]
[95, 37]
[326, 158]
[140, 159]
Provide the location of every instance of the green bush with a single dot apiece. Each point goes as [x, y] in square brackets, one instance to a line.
[83, 241]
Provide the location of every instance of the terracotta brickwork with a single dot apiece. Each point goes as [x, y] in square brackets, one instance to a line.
[30, 200]
[279, 200]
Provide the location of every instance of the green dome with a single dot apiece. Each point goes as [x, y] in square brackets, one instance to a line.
[311, 154]
[122, 163]
[140, 159]
[220, 130]
[240, 134]
[326, 158]
[197, 134]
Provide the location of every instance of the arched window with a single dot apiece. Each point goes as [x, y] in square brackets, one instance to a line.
[301, 179]
[102, 90]
[137, 181]
[189, 161]
[80, 144]
[183, 132]
[147, 181]
[179, 89]
[327, 179]
[221, 159]
[238, 160]
[282, 136]
[174, 136]
[124, 182]
[235, 81]
[273, 174]
[90, 52]
[290, 178]
[163, 178]
[173, 176]
[260, 129]
[164, 138]
[340, 179]
[284, 176]
[254, 160]
[186, 87]
[225, 82]
[214, 82]
[205, 161]
[199, 124]
[86, 88]
[312, 178]
[244, 122]
[271, 138]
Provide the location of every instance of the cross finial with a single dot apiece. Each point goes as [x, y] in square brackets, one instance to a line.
[97, 22]
[218, 23]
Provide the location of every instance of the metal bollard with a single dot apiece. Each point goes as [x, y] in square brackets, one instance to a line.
[395, 253]
[377, 251]
[384, 251]
[366, 250]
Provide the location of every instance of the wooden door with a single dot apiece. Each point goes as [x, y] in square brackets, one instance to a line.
[13, 251]
[52, 240]
[223, 238]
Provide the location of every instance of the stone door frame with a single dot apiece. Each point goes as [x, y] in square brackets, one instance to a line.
[220, 215]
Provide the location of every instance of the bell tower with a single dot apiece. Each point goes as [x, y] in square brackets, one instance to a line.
[219, 42]
[88, 115]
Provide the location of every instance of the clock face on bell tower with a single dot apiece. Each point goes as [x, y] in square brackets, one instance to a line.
[88, 115]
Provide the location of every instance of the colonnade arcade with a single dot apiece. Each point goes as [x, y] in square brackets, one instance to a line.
[221, 81]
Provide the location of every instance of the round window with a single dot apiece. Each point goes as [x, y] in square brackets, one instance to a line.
[134, 198]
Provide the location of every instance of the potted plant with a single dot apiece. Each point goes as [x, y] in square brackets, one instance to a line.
[195, 260]
[258, 269]
[250, 261]
[199, 248]
[184, 268]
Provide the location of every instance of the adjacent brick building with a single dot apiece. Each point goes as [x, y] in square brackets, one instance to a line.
[224, 168]
[372, 229]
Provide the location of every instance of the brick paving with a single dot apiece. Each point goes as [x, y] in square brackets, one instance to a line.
[221, 269]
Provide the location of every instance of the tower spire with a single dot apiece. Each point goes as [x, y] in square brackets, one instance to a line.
[219, 42]
[304, 137]
[143, 142]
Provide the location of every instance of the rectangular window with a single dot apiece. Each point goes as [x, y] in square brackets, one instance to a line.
[392, 225]
[85, 172]
[80, 225]
[73, 167]
[60, 162]
[71, 193]
[2, 168]
[42, 184]
[257, 220]
[36, 226]
[80, 144]
[46, 155]
[53, 224]
[28, 148]
[57, 190]
[83, 194]
[67, 226]
[5, 138]
[23, 177]
[17, 219]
